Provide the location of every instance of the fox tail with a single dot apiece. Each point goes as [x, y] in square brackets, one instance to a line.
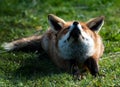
[27, 44]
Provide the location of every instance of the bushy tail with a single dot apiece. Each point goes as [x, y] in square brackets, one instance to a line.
[27, 44]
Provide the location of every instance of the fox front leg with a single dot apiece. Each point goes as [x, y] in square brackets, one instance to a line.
[75, 70]
[92, 66]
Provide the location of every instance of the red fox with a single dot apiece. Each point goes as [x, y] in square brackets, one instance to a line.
[69, 44]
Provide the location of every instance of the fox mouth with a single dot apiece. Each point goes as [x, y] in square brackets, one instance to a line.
[75, 33]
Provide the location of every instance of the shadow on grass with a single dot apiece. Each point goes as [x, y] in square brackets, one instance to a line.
[37, 68]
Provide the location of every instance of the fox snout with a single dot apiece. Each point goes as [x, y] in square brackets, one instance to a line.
[75, 31]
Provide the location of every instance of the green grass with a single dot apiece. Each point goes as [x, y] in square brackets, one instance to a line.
[20, 18]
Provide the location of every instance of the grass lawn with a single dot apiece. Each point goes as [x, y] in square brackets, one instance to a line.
[20, 18]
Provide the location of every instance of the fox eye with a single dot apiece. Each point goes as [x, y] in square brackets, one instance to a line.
[67, 28]
[82, 27]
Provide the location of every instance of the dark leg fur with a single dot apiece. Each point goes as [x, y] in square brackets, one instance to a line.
[75, 70]
[92, 66]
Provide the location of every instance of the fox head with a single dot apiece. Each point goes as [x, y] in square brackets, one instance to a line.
[76, 38]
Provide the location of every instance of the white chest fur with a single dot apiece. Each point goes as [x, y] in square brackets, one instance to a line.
[81, 49]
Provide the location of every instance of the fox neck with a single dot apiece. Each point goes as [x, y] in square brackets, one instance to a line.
[79, 50]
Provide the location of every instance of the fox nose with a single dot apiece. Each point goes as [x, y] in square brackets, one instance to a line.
[75, 23]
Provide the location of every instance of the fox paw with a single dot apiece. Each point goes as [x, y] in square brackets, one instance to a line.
[77, 75]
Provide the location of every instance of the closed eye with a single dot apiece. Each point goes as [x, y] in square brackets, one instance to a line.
[83, 27]
[67, 28]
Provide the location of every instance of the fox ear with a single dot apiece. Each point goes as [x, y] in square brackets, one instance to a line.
[56, 23]
[96, 24]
